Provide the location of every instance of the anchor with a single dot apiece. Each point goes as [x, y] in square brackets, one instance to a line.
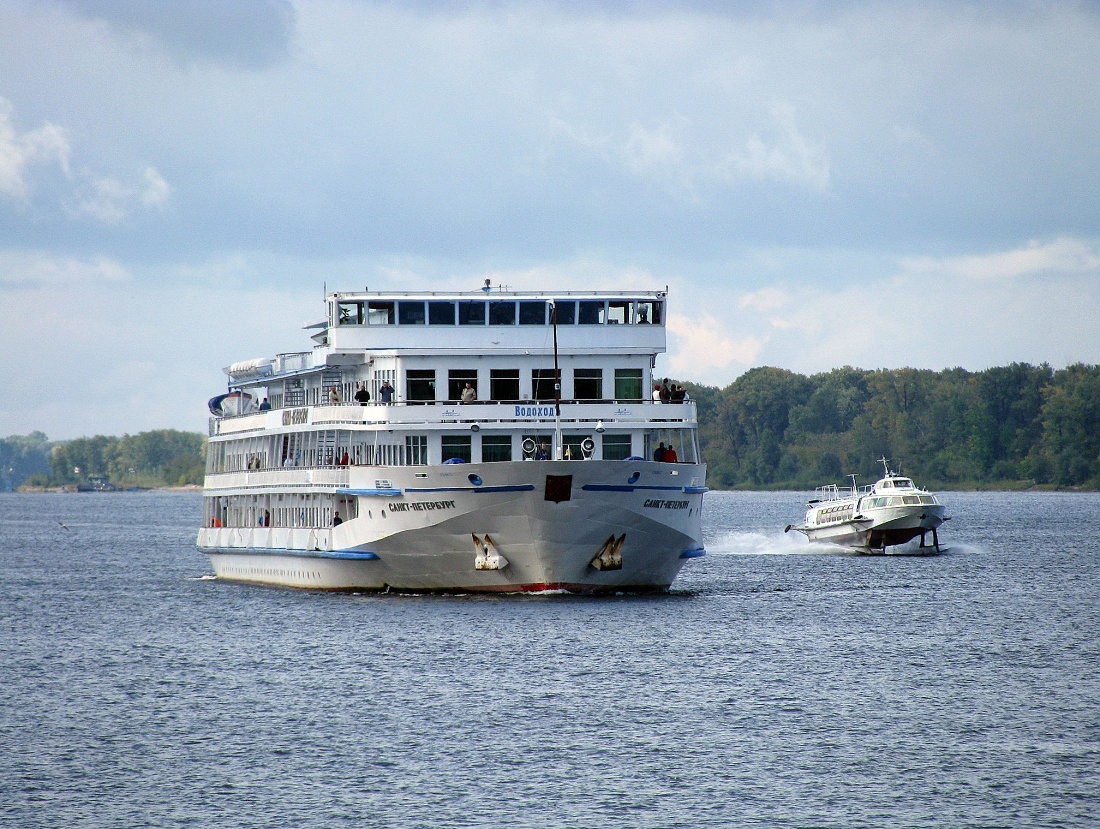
[610, 555]
[487, 557]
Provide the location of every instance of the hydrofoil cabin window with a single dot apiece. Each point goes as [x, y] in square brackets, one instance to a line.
[471, 313]
[496, 448]
[628, 384]
[542, 383]
[616, 447]
[532, 313]
[441, 313]
[502, 313]
[620, 312]
[349, 313]
[591, 312]
[457, 378]
[588, 383]
[380, 313]
[504, 384]
[420, 384]
[410, 313]
[566, 310]
[649, 312]
[457, 446]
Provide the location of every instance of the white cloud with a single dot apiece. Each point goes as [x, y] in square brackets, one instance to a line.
[40, 268]
[701, 348]
[771, 298]
[20, 151]
[1063, 255]
[789, 156]
[112, 202]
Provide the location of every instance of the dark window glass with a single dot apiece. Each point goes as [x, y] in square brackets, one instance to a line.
[588, 384]
[441, 313]
[628, 384]
[591, 312]
[539, 442]
[410, 313]
[571, 447]
[457, 379]
[420, 384]
[350, 313]
[532, 313]
[567, 311]
[542, 383]
[471, 312]
[496, 448]
[504, 384]
[620, 312]
[457, 446]
[502, 313]
[616, 447]
[380, 313]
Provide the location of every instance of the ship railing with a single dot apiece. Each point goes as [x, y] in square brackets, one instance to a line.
[440, 413]
[833, 492]
[336, 478]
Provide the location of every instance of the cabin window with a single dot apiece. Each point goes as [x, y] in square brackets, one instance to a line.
[616, 447]
[416, 450]
[649, 312]
[571, 447]
[542, 383]
[591, 312]
[349, 313]
[504, 384]
[532, 313]
[620, 312]
[420, 384]
[410, 313]
[628, 384]
[544, 442]
[457, 378]
[588, 384]
[566, 311]
[502, 313]
[380, 313]
[457, 446]
[496, 448]
[471, 312]
[441, 313]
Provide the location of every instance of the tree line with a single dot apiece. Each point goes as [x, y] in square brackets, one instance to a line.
[163, 457]
[1010, 426]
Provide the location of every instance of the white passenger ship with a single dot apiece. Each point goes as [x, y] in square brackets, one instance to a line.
[507, 445]
[892, 512]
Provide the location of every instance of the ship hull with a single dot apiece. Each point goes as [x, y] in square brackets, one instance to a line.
[880, 528]
[429, 529]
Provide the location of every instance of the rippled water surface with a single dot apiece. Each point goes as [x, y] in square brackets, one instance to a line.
[778, 684]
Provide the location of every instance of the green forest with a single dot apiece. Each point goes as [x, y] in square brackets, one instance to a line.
[1013, 426]
[163, 457]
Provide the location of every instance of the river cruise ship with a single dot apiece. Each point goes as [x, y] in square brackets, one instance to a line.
[492, 440]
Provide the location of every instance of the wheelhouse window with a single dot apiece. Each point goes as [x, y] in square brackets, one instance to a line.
[649, 312]
[441, 313]
[502, 313]
[591, 312]
[628, 384]
[588, 384]
[542, 383]
[496, 448]
[566, 310]
[504, 384]
[420, 384]
[380, 313]
[457, 447]
[616, 447]
[457, 378]
[349, 313]
[620, 312]
[471, 312]
[532, 313]
[410, 313]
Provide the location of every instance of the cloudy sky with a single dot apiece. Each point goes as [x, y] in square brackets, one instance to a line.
[874, 184]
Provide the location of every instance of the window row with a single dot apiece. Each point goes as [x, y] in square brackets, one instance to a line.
[499, 312]
[285, 510]
[463, 385]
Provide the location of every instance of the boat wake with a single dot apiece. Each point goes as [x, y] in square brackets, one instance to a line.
[769, 544]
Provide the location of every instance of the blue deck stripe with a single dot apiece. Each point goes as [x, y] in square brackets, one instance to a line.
[694, 490]
[627, 488]
[351, 555]
[383, 492]
[697, 552]
[512, 488]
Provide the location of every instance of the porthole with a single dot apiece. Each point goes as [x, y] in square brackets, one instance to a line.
[475, 479]
[634, 476]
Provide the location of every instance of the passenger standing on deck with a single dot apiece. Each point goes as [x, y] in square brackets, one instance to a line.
[386, 392]
[666, 395]
[659, 452]
[468, 394]
[333, 395]
[542, 454]
[362, 396]
[336, 519]
[656, 392]
[670, 455]
[265, 406]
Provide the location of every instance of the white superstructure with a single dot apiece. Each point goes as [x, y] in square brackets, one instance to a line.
[507, 444]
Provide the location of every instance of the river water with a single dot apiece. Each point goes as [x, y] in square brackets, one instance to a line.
[777, 685]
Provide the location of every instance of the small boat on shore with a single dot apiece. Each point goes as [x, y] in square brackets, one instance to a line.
[892, 512]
